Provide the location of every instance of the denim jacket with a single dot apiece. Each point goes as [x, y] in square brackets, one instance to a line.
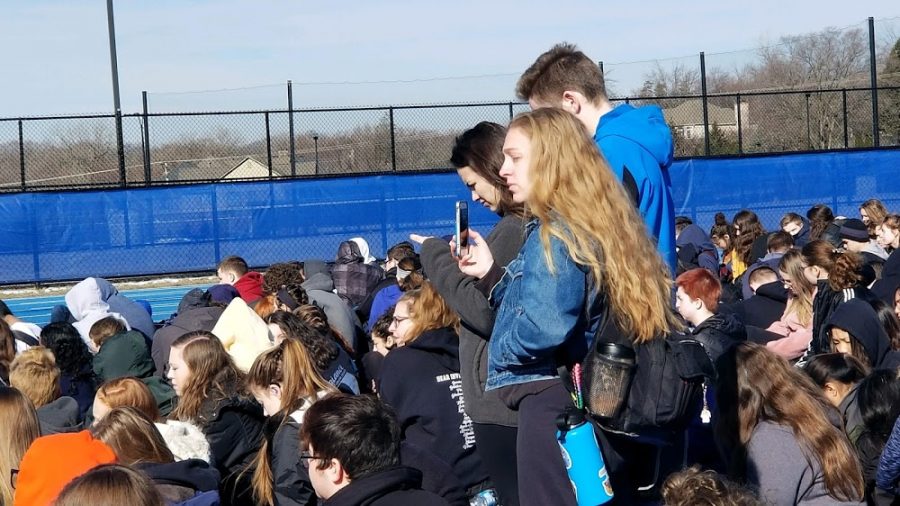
[542, 316]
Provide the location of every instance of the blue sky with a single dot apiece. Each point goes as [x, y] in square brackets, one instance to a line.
[56, 56]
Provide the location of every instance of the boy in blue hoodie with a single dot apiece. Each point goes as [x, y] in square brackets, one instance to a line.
[636, 142]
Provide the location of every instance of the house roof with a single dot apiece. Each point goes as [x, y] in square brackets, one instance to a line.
[210, 168]
[690, 112]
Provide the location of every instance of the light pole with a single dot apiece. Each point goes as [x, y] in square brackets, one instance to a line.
[113, 62]
[316, 143]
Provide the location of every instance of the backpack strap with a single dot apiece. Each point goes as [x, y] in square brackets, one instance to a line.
[26, 338]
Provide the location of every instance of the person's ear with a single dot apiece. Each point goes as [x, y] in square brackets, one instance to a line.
[571, 102]
[830, 391]
[335, 473]
[275, 391]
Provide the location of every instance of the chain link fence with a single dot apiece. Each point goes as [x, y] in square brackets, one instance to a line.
[161, 148]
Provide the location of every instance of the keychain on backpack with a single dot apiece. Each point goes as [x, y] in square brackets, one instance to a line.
[580, 451]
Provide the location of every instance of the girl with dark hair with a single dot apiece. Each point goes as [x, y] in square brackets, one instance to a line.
[777, 429]
[478, 157]
[75, 362]
[309, 325]
[879, 405]
[7, 351]
[721, 235]
[211, 395]
[838, 375]
[836, 277]
[889, 322]
[749, 241]
[855, 329]
[285, 381]
[822, 225]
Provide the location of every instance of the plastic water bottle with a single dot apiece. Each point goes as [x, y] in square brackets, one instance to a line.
[484, 498]
[583, 459]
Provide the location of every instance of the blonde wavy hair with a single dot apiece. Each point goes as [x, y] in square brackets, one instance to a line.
[580, 201]
[428, 311]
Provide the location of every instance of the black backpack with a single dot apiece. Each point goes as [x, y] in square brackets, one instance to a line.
[666, 389]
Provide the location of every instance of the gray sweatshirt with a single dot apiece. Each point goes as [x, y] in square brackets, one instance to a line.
[779, 467]
[459, 290]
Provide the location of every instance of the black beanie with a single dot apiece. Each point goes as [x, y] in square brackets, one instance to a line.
[855, 230]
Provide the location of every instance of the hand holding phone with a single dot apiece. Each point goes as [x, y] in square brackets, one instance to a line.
[462, 228]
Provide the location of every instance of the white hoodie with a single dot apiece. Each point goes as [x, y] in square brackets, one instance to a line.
[87, 306]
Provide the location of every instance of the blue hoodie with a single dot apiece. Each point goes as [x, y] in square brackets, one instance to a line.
[640, 140]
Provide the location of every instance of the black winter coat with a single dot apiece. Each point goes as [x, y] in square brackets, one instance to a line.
[292, 485]
[396, 486]
[234, 428]
[718, 334]
[824, 304]
[765, 307]
[194, 313]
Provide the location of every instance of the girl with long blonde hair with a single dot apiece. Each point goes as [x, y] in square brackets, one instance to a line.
[18, 428]
[586, 247]
[795, 324]
[286, 382]
[777, 428]
[420, 379]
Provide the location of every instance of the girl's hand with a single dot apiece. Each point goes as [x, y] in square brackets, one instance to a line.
[476, 260]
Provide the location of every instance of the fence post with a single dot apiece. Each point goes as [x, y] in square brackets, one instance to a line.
[291, 128]
[114, 67]
[846, 130]
[22, 155]
[737, 101]
[808, 136]
[148, 176]
[393, 140]
[705, 104]
[600, 64]
[873, 76]
[510, 111]
[268, 145]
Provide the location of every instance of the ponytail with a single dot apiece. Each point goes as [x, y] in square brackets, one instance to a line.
[289, 366]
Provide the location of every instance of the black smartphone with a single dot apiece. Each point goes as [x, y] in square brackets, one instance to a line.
[462, 228]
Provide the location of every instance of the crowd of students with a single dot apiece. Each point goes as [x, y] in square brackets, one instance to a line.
[432, 378]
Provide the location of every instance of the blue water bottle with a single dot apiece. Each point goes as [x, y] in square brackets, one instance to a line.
[583, 459]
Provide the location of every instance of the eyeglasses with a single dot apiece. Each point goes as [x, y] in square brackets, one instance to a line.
[13, 477]
[305, 458]
[397, 320]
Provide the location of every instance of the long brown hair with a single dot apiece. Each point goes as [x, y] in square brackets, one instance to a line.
[819, 216]
[747, 222]
[428, 311]
[567, 172]
[842, 267]
[129, 391]
[19, 427]
[7, 349]
[757, 385]
[111, 485]
[133, 437]
[213, 373]
[289, 366]
[876, 213]
[800, 302]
